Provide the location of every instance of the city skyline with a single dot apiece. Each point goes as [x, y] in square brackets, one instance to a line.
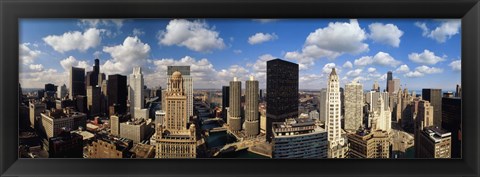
[218, 50]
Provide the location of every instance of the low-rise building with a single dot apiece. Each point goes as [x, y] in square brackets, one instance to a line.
[135, 130]
[299, 138]
[369, 144]
[54, 120]
[434, 142]
[110, 147]
[143, 151]
[66, 145]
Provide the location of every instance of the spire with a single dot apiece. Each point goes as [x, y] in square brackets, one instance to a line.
[333, 72]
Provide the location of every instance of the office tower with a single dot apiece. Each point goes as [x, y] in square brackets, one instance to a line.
[353, 106]
[372, 99]
[93, 100]
[381, 119]
[54, 120]
[62, 91]
[252, 125]
[282, 92]
[337, 143]
[115, 125]
[424, 119]
[398, 107]
[109, 147]
[235, 119]
[81, 103]
[393, 86]
[322, 105]
[434, 142]
[76, 82]
[261, 94]
[225, 101]
[299, 138]
[50, 87]
[314, 115]
[117, 93]
[66, 145]
[389, 78]
[92, 76]
[135, 129]
[458, 92]
[35, 107]
[104, 97]
[174, 138]
[369, 144]
[407, 114]
[376, 87]
[451, 122]
[187, 82]
[434, 96]
[136, 94]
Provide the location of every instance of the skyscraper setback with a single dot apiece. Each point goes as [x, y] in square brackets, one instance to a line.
[136, 94]
[333, 122]
[282, 92]
[188, 83]
[434, 96]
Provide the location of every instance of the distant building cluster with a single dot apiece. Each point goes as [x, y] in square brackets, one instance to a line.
[117, 116]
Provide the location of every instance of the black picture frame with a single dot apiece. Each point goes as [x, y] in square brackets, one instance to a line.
[11, 11]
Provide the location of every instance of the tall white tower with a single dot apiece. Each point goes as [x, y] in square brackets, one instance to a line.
[136, 94]
[333, 119]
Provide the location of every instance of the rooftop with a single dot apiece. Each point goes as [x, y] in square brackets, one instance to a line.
[436, 134]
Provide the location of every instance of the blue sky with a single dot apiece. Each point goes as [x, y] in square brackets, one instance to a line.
[421, 52]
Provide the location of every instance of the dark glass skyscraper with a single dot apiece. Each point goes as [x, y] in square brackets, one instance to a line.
[451, 121]
[282, 96]
[117, 93]
[434, 96]
[92, 76]
[77, 82]
[225, 101]
[389, 78]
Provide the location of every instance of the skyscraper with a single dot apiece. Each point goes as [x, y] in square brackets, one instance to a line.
[188, 84]
[282, 92]
[137, 95]
[225, 101]
[252, 125]
[434, 96]
[174, 138]
[117, 93]
[92, 76]
[376, 87]
[94, 100]
[76, 82]
[381, 119]
[333, 122]
[389, 78]
[458, 92]
[235, 119]
[372, 99]
[451, 121]
[62, 91]
[322, 105]
[424, 119]
[353, 106]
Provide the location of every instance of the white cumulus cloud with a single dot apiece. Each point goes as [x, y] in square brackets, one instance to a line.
[444, 31]
[381, 58]
[330, 42]
[385, 33]
[426, 57]
[195, 35]
[70, 61]
[75, 40]
[132, 52]
[348, 64]
[403, 69]
[261, 37]
[456, 65]
[27, 55]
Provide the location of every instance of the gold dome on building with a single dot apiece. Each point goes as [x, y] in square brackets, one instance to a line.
[176, 74]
